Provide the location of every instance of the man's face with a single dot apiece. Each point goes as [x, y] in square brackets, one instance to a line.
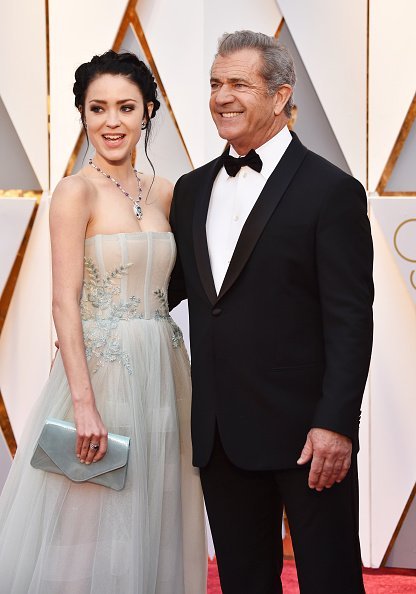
[243, 110]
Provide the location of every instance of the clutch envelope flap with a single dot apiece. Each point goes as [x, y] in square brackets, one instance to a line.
[57, 441]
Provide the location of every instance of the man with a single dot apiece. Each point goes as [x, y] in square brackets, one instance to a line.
[276, 264]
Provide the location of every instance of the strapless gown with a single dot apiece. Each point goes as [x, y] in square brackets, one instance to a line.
[59, 537]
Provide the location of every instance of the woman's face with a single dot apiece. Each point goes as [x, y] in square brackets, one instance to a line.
[114, 112]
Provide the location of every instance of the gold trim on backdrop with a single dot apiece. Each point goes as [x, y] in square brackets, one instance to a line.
[395, 153]
[21, 194]
[130, 18]
[395, 240]
[75, 153]
[7, 428]
[399, 527]
[5, 300]
[279, 28]
[403, 194]
[125, 22]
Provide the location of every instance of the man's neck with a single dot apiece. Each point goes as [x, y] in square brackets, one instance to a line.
[243, 148]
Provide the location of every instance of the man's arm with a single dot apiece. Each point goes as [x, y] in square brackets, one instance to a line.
[177, 287]
[344, 258]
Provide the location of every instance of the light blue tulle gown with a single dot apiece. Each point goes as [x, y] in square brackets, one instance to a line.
[58, 537]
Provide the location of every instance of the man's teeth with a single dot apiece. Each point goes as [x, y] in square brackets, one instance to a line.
[231, 114]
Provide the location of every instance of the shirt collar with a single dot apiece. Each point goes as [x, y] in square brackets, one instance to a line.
[271, 151]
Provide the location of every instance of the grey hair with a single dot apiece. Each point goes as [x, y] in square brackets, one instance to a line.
[278, 67]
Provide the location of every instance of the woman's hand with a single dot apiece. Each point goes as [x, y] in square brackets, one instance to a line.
[91, 443]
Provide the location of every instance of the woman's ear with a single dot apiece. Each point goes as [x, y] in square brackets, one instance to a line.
[149, 106]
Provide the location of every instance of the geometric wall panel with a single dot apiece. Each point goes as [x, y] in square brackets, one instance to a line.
[16, 170]
[26, 338]
[403, 552]
[5, 460]
[403, 176]
[392, 406]
[312, 123]
[15, 214]
[392, 78]
[174, 32]
[23, 80]
[331, 38]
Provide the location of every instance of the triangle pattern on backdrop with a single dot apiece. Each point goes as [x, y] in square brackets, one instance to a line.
[312, 124]
[403, 177]
[16, 172]
[402, 552]
[15, 215]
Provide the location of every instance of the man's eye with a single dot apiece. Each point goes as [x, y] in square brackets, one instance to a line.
[240, 85]
[214, 86]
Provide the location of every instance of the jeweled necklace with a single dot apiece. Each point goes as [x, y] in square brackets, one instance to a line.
[136, 201]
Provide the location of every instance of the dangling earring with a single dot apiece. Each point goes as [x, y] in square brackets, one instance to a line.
[144, 125]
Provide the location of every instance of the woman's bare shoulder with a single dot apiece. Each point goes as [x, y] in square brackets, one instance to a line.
[75, 186]
[161, 189]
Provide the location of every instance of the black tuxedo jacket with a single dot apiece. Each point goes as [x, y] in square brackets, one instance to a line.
[286, 344]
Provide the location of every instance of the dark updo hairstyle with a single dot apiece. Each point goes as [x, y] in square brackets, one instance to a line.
[125, 64]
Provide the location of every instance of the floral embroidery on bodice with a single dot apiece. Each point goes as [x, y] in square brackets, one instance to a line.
[125, 278]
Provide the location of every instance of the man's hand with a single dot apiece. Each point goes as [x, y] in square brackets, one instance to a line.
[330, 453]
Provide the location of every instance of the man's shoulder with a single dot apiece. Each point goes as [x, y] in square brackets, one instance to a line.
[322, 170]
[199, 172]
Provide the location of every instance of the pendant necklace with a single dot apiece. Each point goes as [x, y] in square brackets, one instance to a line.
[136, 201]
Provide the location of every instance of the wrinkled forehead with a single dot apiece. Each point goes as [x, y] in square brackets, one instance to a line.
[246, 63]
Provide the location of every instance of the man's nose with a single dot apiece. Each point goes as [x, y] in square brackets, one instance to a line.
[224, 95]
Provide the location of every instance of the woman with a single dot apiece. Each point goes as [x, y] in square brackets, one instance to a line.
[122, 367]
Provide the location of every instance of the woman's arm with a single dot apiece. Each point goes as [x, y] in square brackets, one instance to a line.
[69, 216]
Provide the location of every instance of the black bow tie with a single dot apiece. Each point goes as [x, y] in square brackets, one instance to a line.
[233, 164]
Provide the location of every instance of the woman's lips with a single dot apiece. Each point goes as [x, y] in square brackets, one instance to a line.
[113, 140]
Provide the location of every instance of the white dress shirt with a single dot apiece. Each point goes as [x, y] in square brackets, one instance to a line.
[232, 199]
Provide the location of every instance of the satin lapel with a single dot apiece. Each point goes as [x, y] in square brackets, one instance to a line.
[266, 203]
[200, 235]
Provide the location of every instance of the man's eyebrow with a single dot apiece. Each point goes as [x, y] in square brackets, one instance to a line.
[235, 79]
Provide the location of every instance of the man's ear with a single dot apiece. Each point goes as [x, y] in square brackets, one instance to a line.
[282, 96]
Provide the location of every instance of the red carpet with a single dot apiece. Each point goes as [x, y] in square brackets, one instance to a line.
[377, 581]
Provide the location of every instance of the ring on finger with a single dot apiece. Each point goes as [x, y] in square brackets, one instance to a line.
[94, 446]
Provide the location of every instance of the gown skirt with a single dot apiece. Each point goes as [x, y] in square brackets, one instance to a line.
[60, 537]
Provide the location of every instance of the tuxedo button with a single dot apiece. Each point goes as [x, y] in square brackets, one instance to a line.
[216, 311]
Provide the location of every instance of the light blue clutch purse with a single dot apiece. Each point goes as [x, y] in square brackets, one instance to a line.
[55, 452]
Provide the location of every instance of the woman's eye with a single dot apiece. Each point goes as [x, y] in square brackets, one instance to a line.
[96, 108]
[127, 108]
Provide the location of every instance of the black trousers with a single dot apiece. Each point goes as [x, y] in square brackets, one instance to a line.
[245, 514]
